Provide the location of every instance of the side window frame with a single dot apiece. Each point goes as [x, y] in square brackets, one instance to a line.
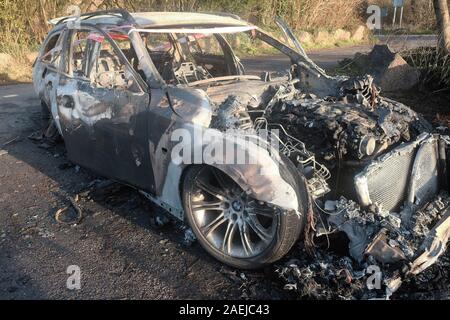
[121, 56]
[59, 46]
[70, 52]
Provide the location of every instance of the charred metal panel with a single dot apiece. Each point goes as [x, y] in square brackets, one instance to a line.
[191, 105]
[106, 130]
[162, 122]
[251, 93]
[124, 138]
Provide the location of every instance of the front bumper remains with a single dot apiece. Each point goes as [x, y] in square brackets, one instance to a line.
[402, 220]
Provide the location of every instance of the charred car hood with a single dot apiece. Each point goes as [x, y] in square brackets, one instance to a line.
[192, 105]
[252, 93]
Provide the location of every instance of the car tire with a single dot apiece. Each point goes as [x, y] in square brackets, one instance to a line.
[48, 126]
[46, 115]
[287, 228]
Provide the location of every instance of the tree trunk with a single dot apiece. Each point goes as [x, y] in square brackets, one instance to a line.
[414, 8]
[443, 22]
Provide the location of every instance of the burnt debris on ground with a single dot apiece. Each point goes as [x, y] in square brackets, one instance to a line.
[330, 275]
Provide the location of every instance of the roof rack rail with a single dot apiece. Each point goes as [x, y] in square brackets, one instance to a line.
[125, 15]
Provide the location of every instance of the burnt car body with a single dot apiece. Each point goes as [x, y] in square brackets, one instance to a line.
[117, 96]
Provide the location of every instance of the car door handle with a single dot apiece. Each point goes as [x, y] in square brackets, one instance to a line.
[44, 73]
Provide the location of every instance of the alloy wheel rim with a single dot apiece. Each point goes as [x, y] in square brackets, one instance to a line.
[228, 218]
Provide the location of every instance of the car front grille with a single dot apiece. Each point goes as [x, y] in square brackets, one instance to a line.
[408, 173]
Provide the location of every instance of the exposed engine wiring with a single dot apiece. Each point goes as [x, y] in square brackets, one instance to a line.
[290, 146]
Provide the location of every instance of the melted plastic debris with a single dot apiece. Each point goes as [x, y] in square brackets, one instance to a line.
[432, 284]
[423, 220]
[189, 237]
[325, 276]
[328, 275]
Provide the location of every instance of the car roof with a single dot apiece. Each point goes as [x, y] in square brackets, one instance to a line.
[168, 19]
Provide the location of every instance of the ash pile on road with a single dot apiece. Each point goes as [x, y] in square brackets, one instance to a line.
[322, 276]
[432, 284]
[379, 253]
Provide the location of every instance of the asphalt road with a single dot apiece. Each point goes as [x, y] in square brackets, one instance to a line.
[120, 252]
[328, 58]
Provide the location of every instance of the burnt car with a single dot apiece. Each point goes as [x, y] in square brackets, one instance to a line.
[120, 86]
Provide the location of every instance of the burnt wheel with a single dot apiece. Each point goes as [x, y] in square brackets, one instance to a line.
[46, 115]
[231, 225]
[49, 128]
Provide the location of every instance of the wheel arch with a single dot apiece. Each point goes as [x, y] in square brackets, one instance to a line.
[265, 188]
[266, 175]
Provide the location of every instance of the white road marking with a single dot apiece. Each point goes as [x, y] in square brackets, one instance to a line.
[11, 96]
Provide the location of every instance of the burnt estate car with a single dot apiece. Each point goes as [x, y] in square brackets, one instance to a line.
[119, 86]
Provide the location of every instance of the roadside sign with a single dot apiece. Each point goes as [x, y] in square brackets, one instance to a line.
[397, 4]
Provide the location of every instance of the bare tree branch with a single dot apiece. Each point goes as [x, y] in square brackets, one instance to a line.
[443, 21]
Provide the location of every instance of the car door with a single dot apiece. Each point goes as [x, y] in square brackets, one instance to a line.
[103, 110]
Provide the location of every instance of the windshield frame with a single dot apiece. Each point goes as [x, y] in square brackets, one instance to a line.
[253, 32]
